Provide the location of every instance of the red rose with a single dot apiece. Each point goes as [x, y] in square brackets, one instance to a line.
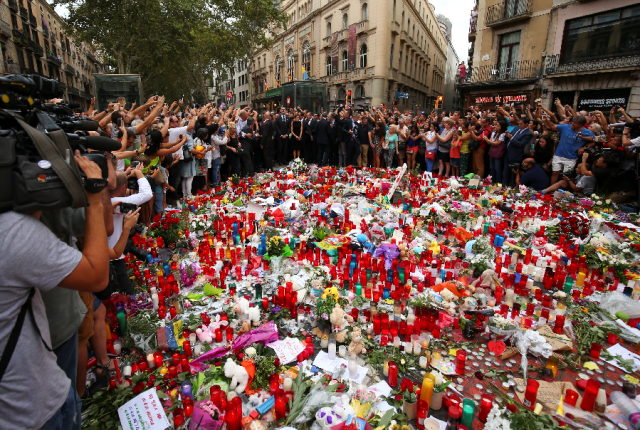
[398, 397]
[138, 388]
[173, 384]
[410, 387]
[156, 218]
[166, 227]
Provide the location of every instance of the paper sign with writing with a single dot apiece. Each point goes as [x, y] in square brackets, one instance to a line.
[620, 350]
[558, 342]
[287, 349]
[548, 393]
[397, 181]
[143, 412]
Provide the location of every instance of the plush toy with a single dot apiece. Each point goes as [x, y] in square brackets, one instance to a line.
[204, 334]
[238, 374]
[448, 301]
[488, 280]
[404, 253]
[247, 313]
[357, 344]
[340, 320]
[246, 326]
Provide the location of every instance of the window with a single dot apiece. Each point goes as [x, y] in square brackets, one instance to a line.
[328, 65]
[394, 10]
[365, 12]
[344, 61]
[345, 21]
[508, 51]
[402, 22]
[363, 55]
[290, 63]
[406, 63]
[400, 60]
[306, 58]
[342, 95]
[391, 56]
[278, 69]
[328, 29]
[609, 34]
[360, 92]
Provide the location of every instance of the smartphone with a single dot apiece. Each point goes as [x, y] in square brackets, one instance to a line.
[134, 164]
[127, 207]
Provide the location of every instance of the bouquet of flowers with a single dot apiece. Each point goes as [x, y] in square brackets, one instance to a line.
[170, 228]
[275, 246]
[501, 326]
[298, 165]
[200, 224]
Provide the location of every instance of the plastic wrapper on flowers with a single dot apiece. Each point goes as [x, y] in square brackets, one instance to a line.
[202, 416]
[266, 333]
[189, 273]
[390, 251]
[198, 365]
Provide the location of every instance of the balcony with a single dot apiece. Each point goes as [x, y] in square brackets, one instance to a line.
[32, 20]
[53, 59]
[516, 72]
[13, 5]
[74, 91]
[12, 68]
[508, 11]
[5, 28]
[473, 27]
[39, 51]
[592, 61]
[24, 13]
[404, 37]
[30, 45]
[18, 37]
[362, 26]
[395, 27]
[45, 32]
[69, 69]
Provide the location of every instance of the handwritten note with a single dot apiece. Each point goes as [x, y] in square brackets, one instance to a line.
[548, 393]
[287, 349]
[620, 350]
[325, 363]
[557, 341]
[143, 412]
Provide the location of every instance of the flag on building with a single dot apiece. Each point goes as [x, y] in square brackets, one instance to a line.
[289, 74]
[266, 87]
[277, 82]
[305, 75]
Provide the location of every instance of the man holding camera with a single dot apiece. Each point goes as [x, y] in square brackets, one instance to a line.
[36, 260]
[618, 184]
[532, 175]
[119, 195]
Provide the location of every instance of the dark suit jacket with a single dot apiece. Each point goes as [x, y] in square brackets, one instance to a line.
[323, 132]
[282, 127]
[515, 146]
[267, 131]
[346, 126]
[333, 131]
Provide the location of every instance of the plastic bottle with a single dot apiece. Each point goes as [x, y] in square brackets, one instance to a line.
[627, 407]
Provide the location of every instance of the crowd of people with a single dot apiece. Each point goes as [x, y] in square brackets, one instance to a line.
[169, 152]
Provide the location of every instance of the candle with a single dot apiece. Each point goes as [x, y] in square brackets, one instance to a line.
[393, 374]
[531, 393]
[423, 362]
[343, 351]
[332, 349]
[385, 370]
[287, 384]
[117, 347]
[198, 350]
[156, 302]
[192, 338]
[417, 348]
[150, 361]
[509, 296]
[353, 367]
[435, 358]
[427, 388]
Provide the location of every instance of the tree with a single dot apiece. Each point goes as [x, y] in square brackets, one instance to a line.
[173, 44]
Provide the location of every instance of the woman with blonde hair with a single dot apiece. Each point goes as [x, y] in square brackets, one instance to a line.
[232, 150]
[444, 147]
[391, 139]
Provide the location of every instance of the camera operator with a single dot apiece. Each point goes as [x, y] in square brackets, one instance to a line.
[36, 260]
[618, 183]
[580, 184]
[532, 175]
[627, 140]
[118, 195]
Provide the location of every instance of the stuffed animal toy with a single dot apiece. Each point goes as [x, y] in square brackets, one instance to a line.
[246, 326]
[357, 344]
[488, 280]
[238, 374]
[340, 320]
[247, 313]
[404, 253]
[204, 334]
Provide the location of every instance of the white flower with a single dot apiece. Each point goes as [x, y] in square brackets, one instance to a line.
[608, 201]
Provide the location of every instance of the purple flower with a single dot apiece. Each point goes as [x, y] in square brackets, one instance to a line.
[275, 309]
[325, 316]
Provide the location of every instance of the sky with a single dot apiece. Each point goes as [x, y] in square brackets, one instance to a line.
[459, 12]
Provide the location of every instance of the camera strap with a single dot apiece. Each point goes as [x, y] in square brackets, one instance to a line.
[67, 172]
[15, 333]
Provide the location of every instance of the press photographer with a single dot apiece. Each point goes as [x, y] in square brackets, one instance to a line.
[531, 174]
[613, 179]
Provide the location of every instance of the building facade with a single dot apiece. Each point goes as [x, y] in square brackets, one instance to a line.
[451, 97]
[586, 53]
[32, 41]
[383, 52]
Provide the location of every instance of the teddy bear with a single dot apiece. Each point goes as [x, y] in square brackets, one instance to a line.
[340, 320]
[448, 301]
[238, 374]
[357, 344]
[246, 326]
[488, 280]
[404, 252]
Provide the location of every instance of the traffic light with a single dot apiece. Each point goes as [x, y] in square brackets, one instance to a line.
[439, 103]
[349, 97]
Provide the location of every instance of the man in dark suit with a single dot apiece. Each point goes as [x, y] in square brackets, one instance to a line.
[322, 137]
[308, 129]
[267, 131]
[345, 143]
[515, 150]
[333, 138]
[282, 130]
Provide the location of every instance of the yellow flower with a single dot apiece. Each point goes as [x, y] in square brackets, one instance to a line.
[395, 427]
[405, 427]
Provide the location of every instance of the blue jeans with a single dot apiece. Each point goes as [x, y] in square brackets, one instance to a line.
[67, 360]
[67, 416]
[495, 166]
[215, 171]
[429, 164]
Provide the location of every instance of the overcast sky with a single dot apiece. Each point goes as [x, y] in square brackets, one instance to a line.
[459, 12]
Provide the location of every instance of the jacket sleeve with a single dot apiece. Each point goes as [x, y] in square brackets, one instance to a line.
[521, 140]
[346, 126]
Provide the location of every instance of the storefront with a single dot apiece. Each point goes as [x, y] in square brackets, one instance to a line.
[489, 100]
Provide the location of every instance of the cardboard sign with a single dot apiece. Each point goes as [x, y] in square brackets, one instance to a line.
[559, 342]
[548, 393]
[143, 412]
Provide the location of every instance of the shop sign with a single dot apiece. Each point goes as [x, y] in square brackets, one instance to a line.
[502, 99]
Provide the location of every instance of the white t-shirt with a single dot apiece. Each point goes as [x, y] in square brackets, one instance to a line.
[144, 195]
[174, 133]
[588, 184]
[500, 138]
[33, 387]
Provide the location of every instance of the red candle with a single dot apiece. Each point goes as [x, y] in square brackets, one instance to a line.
[184, 363]
[157, 360]
[612, 338]
[531, 393]
[393, 374]
[186, 345]
[173, 312]
[173, 371]
[590, 394]
[559, 327]
[461, 359]
[485, 407]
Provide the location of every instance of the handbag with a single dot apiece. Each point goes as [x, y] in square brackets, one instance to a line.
[473, 145]
[111, 286]
[187, 155]
[385, 144]
[497, 151]
[160, 177]
[402, 145]
[430, 155]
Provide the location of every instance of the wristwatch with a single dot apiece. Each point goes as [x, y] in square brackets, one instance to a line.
[137, 152]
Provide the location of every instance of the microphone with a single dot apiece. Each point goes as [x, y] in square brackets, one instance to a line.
[89, 125]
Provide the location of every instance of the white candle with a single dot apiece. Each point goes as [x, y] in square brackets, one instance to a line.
[438, 376]
[287, 384]
[423, 362]
[198, 350]
[153, 290]
[117, 347]
[150, 361]
[396, 342]
[342, 351]
[353, 368]
[154, 299]
[509, 296]
[126, 371]
[411, 318]
[332, 350]
[192, 338]
[324, 342]
[417, 348]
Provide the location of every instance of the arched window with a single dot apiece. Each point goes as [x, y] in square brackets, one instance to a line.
[306, 57]
[402, 22]
[279, 69]
[328, 29]
[413, 32]
[365, 12]
[345, 21]
[360, 92]
[408, 24]
[342, 95]
[328, 65]
[290, 63]
[406, 63]
[344, 61]
[363, 55]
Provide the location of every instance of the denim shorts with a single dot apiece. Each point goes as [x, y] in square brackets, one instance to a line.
[455, 162]
[66, 417]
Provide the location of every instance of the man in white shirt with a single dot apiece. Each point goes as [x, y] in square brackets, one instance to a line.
[175, 131]
[118, 195]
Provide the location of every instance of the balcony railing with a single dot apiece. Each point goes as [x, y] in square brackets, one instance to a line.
[24, 13]
[517, 70]
[13, 5]
[32, 20]
[18, 37]
[508, 11]
[555, 66]
[362, 26]
[70, 69]
[5, 28]
[45, 32]
[12, 68]
[39, 51]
